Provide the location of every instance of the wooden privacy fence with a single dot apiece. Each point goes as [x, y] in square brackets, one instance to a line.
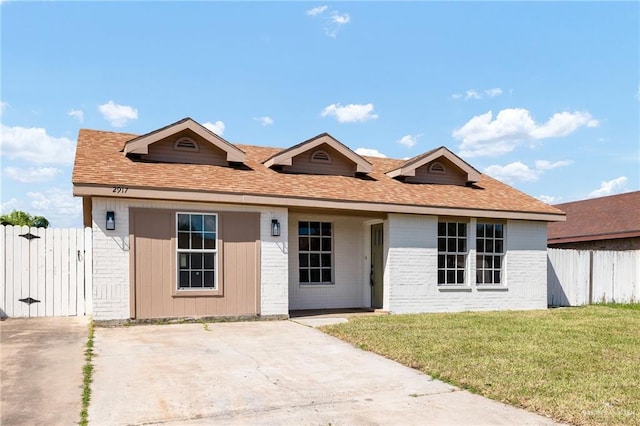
[581, 277]
[45, 272]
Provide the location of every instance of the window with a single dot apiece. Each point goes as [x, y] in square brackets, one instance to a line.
[320, 156]
[197, 251]
[315, 252]
[185, 144]
[452, 252]
[489, 253]
[437, 168]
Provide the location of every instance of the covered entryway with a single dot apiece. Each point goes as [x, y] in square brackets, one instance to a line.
[329, 260]
[232, 263]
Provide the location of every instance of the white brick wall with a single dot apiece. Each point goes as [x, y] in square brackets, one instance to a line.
[111, 286]
[110, 261]
[274, 271]
[410, 274]
[411, 269]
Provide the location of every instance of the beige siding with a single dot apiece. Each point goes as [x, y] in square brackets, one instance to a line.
[339, 164]
[154, 267]
[453, 175]
[164, 151]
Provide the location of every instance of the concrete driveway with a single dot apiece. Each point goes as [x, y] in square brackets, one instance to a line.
[278, 372]
[41, 380]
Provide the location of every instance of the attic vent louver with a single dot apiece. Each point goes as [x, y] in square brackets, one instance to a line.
[437, 168]
[185, 144]
[320, 156]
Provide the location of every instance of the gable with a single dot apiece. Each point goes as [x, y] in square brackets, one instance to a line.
[439, 171]
[322, 160]
[308, 157]
[186, 128]
[185, 147]
[436, 166]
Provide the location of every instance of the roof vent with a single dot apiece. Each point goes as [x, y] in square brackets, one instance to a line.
[185, 144]
[437, 168]
[320, 156]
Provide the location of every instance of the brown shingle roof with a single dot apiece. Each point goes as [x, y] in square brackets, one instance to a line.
[615, 216]
[99, 161]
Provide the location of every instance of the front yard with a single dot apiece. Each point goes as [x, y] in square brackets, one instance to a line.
[576, 365]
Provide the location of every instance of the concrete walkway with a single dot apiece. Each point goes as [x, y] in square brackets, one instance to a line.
[41, 381]
[277, 373]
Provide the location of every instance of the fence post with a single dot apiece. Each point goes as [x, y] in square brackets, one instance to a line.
[590, 277]
[88, 271]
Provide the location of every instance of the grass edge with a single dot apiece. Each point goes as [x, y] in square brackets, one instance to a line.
[87, 377]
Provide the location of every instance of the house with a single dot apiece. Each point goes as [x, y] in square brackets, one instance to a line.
[605, 223]
[188, 224]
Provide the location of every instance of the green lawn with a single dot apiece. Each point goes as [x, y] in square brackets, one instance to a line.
[576, 365]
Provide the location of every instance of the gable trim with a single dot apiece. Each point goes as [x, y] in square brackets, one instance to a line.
[409, 167]
[284, 158]
[140, 145]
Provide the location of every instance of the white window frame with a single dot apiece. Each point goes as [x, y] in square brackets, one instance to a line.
[482, 254]
[197, 250]
[444, 256]
[319, 252]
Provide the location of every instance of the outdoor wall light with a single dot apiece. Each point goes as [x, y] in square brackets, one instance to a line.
[275, 228]
[111, 221]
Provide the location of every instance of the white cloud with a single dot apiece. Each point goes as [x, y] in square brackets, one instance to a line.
[548, 165]
[336, 18]
[350, 113]
[520, 172]
[9, 206]
[563, 124]
[34, 145]
[492, 93]
[614, 186]
[317, 10]
[58, 205]
[3, 106]
[512, 172]
[117, 115]
[77, 114]
[265, 121]
[549, 199]
[472, 94]
[484, 136]
[409, 140]
[332, 22]
[638, 93]
[369, 152]
[31, 174]
[217, 127]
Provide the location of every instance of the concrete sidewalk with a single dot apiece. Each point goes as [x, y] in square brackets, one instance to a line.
[42, 361]
[276, 373]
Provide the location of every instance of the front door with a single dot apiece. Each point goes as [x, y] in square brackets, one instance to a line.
[377, 250]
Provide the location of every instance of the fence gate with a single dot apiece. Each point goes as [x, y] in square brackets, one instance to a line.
[45, 272]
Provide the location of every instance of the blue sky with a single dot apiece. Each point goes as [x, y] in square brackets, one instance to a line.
[544, 96]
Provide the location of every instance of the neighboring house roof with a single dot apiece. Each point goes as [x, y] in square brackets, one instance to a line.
[284, 157]
[604, 218]
[100, 165]
[409, 167]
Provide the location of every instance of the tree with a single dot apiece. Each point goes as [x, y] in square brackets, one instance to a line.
[20, 218]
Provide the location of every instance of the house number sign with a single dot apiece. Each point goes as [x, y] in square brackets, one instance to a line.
[120, 189]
